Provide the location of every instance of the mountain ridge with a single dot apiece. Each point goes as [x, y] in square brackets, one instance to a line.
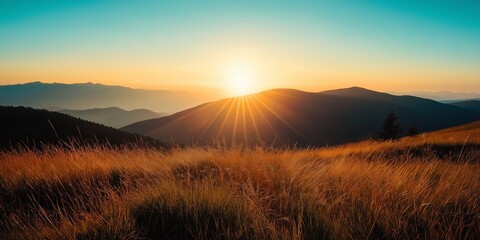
[473, 105]
[113, 116]
[95, 95]
[289, 116]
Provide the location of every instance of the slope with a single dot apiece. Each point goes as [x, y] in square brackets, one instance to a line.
[21, 126]
[287, 117]
[472, 105]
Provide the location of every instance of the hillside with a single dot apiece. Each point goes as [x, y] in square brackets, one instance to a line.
[472, 105]
[292, 117]
[442, 144]
[20, 126]
[90, 95]
[366, 190]
[113, 116]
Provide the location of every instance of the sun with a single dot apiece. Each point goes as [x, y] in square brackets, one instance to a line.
[241, 80]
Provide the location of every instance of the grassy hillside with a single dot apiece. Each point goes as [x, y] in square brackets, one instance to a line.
[420, 187]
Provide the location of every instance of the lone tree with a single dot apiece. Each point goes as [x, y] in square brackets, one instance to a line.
[390, 129]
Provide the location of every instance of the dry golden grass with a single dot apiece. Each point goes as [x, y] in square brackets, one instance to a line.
[424, 187]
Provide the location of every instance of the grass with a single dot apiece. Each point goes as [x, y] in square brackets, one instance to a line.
[176, 211]
[423, 187]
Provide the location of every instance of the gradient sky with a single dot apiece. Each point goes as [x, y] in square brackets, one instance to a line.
[309, 45]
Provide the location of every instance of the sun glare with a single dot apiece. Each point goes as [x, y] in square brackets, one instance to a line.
[241, 80]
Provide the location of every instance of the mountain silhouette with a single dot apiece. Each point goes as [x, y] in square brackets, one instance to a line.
[472, 105]
[21, 126]
[113, 116]
[90, 95]
[293, 117]
[443, 96]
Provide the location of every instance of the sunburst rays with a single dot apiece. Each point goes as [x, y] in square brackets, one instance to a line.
[241, 120]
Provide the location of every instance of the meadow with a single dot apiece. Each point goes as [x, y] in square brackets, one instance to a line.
[422, 187]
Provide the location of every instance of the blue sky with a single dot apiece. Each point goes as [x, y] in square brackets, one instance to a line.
[385, 45]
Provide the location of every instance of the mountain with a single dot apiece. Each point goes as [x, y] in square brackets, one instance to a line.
[287, 116]
[472, 105]
[21, 126]
[424, 106]
[443, 96]
[90, 95]
[113, 116]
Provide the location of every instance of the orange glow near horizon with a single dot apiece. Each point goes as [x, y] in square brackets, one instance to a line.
[254, 74]
[256, 70]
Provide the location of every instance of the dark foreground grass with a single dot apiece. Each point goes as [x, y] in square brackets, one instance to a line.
[370, 190]
[175, 211]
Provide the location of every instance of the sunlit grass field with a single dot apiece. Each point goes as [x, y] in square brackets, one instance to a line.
[423, 187]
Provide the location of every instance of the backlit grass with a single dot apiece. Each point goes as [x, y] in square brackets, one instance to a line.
[424, 187]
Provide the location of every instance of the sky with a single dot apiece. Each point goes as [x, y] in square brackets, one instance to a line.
[244, 45]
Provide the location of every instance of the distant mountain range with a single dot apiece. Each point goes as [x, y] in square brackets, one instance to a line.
[287, 116]
[21, 126]
[90, 95]
[443, 96]
[276, 117]
[113, 116]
